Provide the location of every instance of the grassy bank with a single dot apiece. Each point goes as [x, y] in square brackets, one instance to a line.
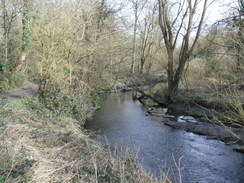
[39, 146]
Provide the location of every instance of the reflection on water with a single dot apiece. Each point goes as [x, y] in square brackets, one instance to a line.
[161, 148]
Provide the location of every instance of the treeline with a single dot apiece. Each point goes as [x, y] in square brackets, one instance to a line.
[74, 48]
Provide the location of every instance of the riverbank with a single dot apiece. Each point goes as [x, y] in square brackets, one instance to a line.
[39, 146]
[205, 123]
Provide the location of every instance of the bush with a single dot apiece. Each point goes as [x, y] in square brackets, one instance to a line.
[77, 104]
[10, 81]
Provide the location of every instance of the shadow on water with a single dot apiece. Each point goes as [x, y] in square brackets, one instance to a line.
[123, 122]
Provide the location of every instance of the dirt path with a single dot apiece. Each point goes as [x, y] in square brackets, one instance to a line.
[27, 91]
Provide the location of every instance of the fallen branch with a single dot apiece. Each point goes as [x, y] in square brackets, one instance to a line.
[151, 97]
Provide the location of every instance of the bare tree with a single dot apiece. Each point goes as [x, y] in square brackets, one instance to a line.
[147, 35]
[138, 6]
[180, 29]
[9, 12]
[237, 23]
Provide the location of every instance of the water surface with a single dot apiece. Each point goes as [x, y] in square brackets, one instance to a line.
[161, 148]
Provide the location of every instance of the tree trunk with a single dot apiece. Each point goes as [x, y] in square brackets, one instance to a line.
[5, 30]
[134, 46]
[240, 44]
[142, 65]
[170, 75]
[177, 76]
[26, 37]
[6, 48]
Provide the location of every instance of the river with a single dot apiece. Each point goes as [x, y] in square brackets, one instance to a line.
[123, 122]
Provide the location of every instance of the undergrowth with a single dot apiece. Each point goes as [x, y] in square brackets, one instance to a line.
[37, 145]
[9, 82]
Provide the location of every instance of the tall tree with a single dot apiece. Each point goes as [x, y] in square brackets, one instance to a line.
[26, 23]
[27, 19]
[146, 36]
[238, 38]
[181, 23]
[138, 6]
[9, 12]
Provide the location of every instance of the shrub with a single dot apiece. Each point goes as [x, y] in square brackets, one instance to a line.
[76, 104]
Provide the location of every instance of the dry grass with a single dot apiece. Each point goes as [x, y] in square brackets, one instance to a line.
[234, 116]
[42, 148]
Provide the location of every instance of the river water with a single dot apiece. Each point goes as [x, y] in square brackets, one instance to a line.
[123, 122]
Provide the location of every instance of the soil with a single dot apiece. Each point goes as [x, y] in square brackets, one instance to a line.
[26, 91]
[225, 134]
[193, 110]
[228, 135]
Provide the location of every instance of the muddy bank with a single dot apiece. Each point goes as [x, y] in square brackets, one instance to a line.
[193, 110]
[202, 126]
[224, 134]
[122, 90]
[227, 135]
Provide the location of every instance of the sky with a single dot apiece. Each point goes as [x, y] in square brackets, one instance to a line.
[218, 9]
[215, 11]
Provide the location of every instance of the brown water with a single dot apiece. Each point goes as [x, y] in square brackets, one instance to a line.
[123, 122]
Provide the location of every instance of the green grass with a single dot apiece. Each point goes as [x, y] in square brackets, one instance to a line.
[19, 104]
[2, 176]
[222, 117]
